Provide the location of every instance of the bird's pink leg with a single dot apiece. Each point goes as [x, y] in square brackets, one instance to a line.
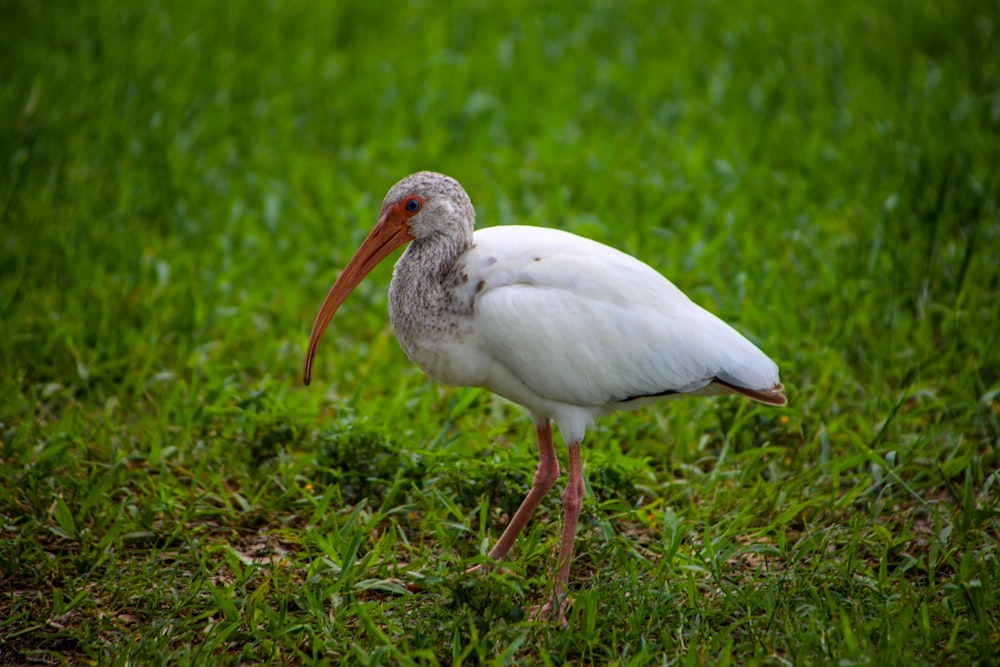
[545, 478]
[572, 503]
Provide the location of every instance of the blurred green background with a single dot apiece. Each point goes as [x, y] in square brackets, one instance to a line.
[181, 183]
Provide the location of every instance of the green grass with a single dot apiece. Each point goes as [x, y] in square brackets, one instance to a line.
[181, 182]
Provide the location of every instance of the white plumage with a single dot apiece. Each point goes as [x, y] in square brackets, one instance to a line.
[565, 326]
[580, 328]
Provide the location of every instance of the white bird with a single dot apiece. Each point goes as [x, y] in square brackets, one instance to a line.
[567, 327]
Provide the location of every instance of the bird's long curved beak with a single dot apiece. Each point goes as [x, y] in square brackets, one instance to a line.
[390, 233]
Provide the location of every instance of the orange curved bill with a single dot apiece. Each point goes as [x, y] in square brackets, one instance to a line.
[390, 233]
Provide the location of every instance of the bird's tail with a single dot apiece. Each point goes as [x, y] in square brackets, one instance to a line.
[772, 396]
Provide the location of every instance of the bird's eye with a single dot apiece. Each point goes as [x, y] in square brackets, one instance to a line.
[413, 205]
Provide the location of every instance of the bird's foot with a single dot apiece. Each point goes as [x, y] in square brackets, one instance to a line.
[555, 609]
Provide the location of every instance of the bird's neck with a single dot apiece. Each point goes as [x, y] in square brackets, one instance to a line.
[430, 260]
[422, 296]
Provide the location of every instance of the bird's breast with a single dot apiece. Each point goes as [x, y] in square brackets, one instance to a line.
[434, 323]
[444, 349]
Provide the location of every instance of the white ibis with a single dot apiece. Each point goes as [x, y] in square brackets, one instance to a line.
[567, 327]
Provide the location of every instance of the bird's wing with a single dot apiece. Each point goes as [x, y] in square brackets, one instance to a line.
[584, 324]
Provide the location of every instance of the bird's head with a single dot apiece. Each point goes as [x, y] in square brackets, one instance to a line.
[422, 207]
[428, 205]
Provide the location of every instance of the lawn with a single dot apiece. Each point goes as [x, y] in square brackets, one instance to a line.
[181, 182]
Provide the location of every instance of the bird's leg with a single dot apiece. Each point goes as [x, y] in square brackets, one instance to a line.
[545, 477]
[572, 503]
